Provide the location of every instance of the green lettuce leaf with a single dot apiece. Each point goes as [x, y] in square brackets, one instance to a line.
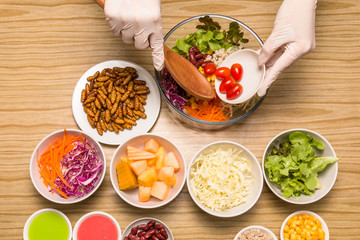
[294, 166]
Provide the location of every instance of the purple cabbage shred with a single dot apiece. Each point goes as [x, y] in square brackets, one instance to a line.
[174, 92]
[81, 168]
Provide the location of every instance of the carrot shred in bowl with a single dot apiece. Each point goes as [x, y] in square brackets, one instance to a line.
[68, 163]
[211, 110]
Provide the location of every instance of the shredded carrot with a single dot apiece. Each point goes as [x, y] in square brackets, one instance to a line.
[49, 162]
[212, 111]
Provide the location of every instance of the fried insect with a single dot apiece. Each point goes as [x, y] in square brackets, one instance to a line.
[114, 99]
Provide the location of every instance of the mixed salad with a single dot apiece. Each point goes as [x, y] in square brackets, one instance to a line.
[206, 48]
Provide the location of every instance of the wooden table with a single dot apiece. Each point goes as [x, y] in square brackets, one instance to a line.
[47, 45]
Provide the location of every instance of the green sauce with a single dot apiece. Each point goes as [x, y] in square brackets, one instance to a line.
[48, 226]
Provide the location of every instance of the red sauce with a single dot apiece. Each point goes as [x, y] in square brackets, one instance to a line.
[97, 227]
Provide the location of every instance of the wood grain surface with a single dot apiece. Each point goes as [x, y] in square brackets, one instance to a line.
[45, 46]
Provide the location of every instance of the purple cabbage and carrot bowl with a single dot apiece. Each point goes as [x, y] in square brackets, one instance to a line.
[67, 166]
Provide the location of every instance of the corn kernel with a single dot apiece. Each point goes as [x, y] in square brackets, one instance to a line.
[201, 70]
[293, 237]
[286, 235]
[194, 105]
[286, 228]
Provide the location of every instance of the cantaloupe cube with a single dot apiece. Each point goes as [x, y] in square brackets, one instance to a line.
[148, 177]
[126, 177]
[138, 167]
[174, 181]
[160, 157]
[160, 190]
[166, 175]
[152, 146]
[134, 153]
[151, 162]
[144, 193]
[171, 161]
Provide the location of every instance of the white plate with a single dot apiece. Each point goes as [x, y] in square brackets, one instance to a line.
[253, 74]
[152, 106]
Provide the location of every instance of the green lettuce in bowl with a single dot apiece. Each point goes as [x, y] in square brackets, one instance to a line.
[294, 161]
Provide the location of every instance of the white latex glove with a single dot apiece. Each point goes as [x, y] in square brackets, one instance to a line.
[138, 22]
[292, 37]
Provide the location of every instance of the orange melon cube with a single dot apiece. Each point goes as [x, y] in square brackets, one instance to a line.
[160, 190]
[160, 157]
[126, 177]
[173, 181]
[138, 167]
[134, 153]
[166, 175]
[148, 177]
[172, 161]
[144, 193]
[151, 162]
[152, 146]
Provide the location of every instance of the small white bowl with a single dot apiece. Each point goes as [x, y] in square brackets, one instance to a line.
[327, 177]
[131, 196]
[42, 147]
[78, 223]
[264, 229]
[32, 217]
[323, 223]
[253, 75]
[145, 221]
[255, 190]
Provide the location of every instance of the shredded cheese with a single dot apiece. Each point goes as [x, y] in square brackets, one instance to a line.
[221, 179]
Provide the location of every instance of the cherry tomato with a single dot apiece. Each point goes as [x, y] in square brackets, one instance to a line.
[226, 84]
[222, 72]
[234, 92]
[237, 71]
[210, 69]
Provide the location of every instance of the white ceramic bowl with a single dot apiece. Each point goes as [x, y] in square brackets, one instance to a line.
[252, 78]
[254, 192]
[327, 177]
[131, 196]
[42, 147]
[323, 223]
[78, 223]
[145, 221]
[264, 229]
[31, 218]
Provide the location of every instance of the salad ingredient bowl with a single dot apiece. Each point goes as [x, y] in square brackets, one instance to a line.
[183, 106]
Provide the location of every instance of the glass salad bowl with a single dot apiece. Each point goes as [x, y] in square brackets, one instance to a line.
[215, 44]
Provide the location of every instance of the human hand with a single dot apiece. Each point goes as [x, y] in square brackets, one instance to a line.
[292, 37]
[138, 22]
